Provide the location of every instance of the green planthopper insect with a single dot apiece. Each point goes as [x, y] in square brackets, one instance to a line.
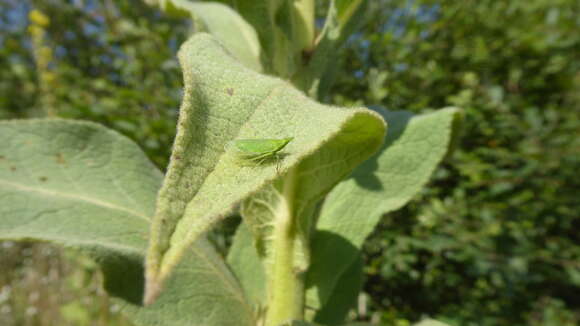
[259, 150]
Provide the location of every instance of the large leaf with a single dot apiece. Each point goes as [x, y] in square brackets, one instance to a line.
[414, 147]
[225, 24]
[224, 101]
[83, 186]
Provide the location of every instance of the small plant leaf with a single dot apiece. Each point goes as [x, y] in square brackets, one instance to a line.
[225, 24]
[413, 148]
[245, 262]
[81, 185]
[224, 101]
[430, 322]
[342, 19]
[283, 28]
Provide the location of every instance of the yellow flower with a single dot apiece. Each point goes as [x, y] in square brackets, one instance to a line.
[38, 18]
[36, 31]
[45, 53]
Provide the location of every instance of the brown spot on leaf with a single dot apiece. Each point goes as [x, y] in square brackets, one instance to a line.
[12, 168]
[60, 158]
[2, 157]
[230, 91]
[43, 179]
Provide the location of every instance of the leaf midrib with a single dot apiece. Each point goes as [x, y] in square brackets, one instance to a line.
[75, 197]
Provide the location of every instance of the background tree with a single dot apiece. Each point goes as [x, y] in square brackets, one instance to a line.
[493, 242]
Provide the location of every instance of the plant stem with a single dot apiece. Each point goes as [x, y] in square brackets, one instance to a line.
[285, 282]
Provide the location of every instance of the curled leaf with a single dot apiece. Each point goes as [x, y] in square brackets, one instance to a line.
[224, 101]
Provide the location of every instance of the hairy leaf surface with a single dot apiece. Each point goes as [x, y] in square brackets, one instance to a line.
[80, 185]
[225, 24]
[224, 101]
[414, 147]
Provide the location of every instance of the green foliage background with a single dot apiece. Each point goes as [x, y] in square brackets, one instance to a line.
[492, 241]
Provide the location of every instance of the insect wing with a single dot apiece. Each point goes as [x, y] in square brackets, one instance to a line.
[260, 147]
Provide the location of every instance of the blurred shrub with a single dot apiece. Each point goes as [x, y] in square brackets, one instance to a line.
[112, 62]
[493, 240]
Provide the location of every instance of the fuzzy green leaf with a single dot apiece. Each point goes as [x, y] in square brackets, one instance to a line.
[284, 27]
[80, 185]
[415, 145]
[225, 24]
[224, 101]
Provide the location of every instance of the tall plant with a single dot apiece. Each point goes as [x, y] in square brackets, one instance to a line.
[252, 70]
